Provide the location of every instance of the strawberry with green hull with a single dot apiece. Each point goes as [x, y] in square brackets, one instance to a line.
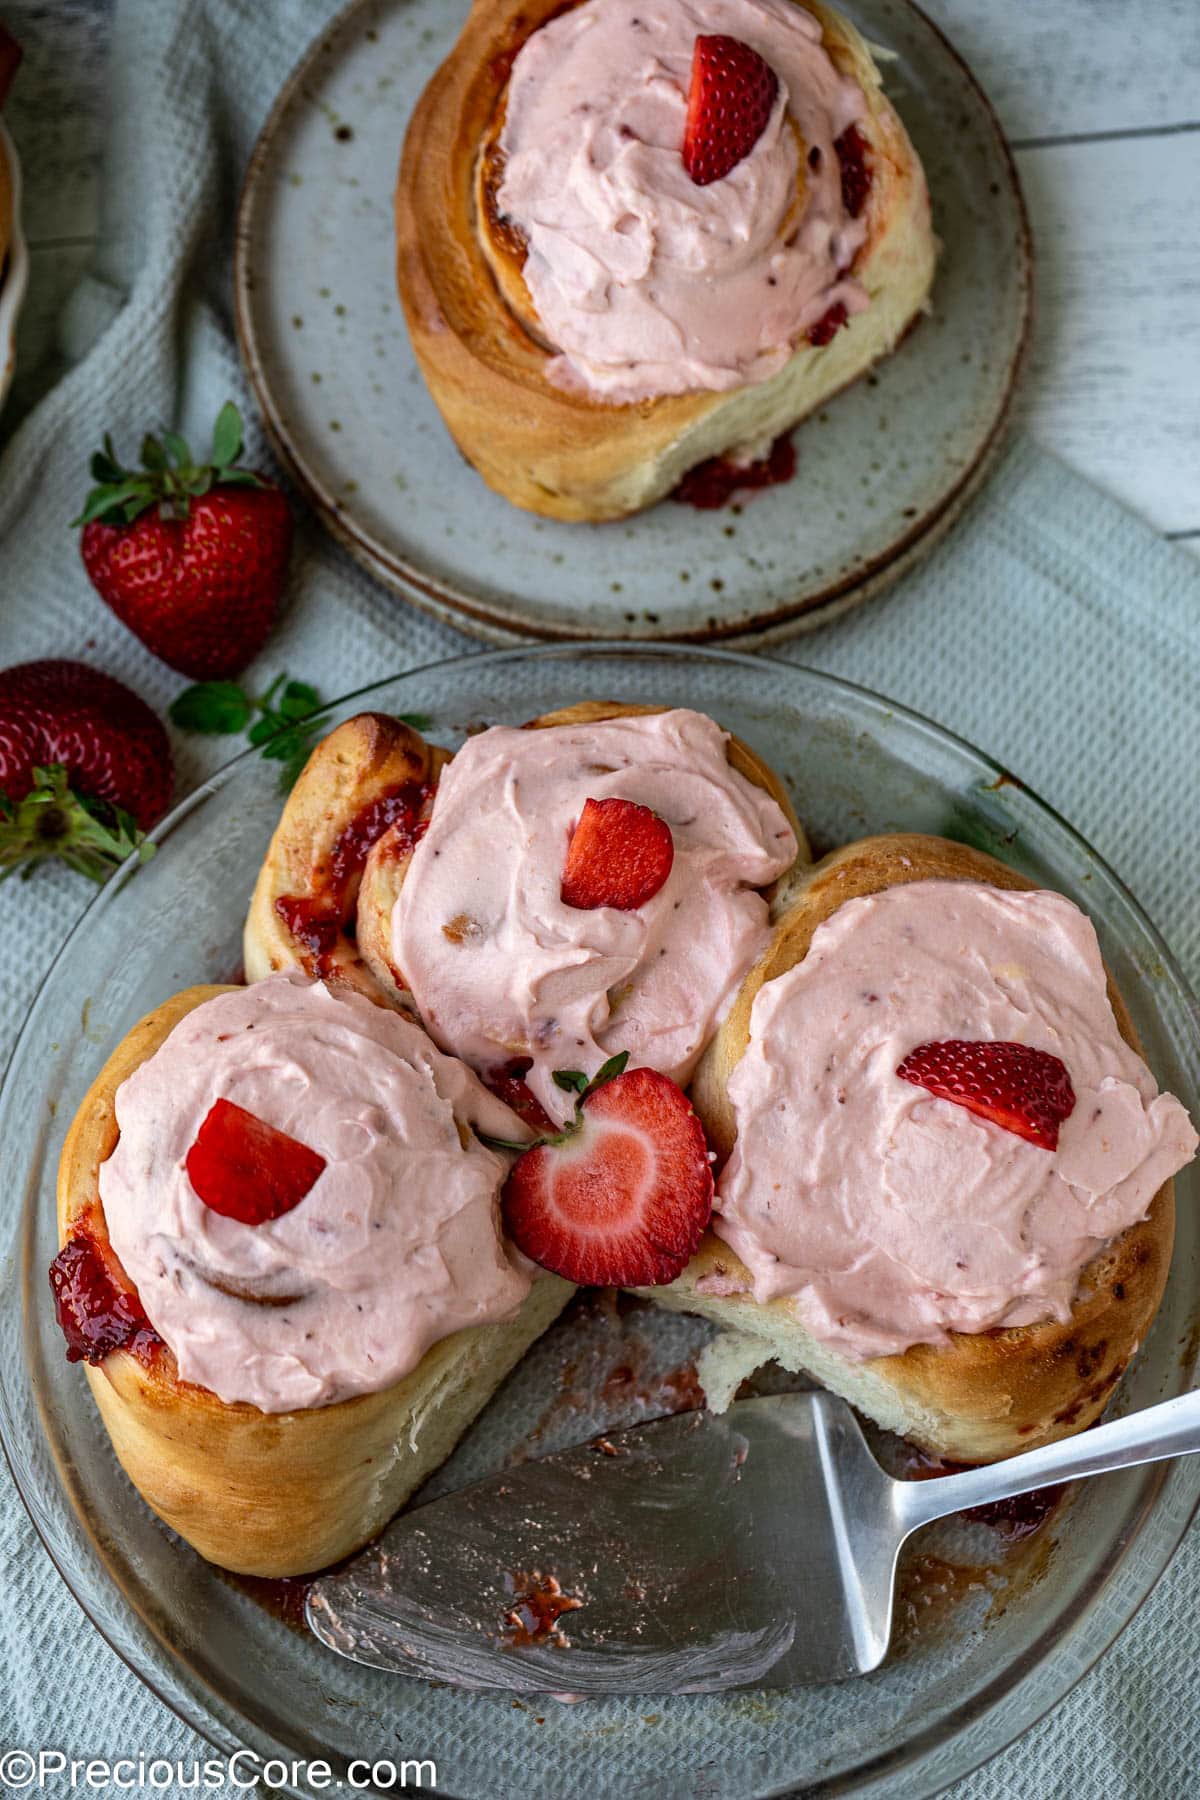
[190, 556]
[622, 1196]
[85, 768]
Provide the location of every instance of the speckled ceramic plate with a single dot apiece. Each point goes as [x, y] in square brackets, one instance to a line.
[14, 271]
[882, 470]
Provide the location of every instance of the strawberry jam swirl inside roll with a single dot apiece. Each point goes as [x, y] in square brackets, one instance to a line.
[646, 282]
[890, 1215]
[390, 1239]
[505, 970]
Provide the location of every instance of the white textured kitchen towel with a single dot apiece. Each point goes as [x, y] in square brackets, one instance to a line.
[1050, 628]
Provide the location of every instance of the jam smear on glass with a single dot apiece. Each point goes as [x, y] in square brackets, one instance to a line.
[713, 484]
[535, 1614]
[94, 1314]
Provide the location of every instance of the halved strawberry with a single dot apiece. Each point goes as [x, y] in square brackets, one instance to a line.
[244, 1169]
[620, 855]
[1024, 1090]
[622, 1197]
[729, 103]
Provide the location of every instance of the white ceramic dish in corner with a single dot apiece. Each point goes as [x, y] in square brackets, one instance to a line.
[14, 275]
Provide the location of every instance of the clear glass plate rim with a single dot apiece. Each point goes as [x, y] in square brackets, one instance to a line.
[203, 1712]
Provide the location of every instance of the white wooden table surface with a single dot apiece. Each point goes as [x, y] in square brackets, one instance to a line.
[1101, 102]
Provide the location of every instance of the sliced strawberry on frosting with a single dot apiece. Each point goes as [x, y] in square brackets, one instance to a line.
[620, 855]
[622, 1197]
[732, 92]
[1024, 1090]
[244, 1169]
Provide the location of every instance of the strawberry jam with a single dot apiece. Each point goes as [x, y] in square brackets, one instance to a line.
[94, 1314]
[313, 924]
[851, 150]
[712, 484]
[827, 326]
[316, 920]
[402, 806]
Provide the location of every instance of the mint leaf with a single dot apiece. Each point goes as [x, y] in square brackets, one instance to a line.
[298, 700]
[263, 730]
[214, 707]
[418, 721]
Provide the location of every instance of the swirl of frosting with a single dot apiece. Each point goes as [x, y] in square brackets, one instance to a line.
[394, 1247]
[888, 1216]
[644, 282]
[502, 969]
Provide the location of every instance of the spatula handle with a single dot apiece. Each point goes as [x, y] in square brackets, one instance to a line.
[1170, 1429]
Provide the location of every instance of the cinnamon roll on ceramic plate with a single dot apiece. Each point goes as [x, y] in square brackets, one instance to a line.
[281, 1263]
[634, 235]
[946, 1186]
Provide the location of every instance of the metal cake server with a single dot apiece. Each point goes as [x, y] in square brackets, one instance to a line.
[755, 1547]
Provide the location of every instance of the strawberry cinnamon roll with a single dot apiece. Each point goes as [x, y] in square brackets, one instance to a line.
[947, 1169]
[282, 1264]
[370, 775]
[594, 885]
[637, 234]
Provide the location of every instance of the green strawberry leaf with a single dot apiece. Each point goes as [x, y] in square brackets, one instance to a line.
[572, 1081]
[154, 457]
[52, 821]
[178, 449]
[216, 708]
[109, 502]
[227, 436]
[169, 476]
[241, 478]
[608, 1072]
[104, 470]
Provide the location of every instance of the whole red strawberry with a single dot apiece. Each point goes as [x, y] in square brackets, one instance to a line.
[1026, 1091]
[192, 557]
[729, 103]
[85, 767]
[621, 1197]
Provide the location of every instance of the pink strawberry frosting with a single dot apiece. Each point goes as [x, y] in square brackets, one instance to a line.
[395, 1246]
[889, 1217]
[645, 283]
[502, 969]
